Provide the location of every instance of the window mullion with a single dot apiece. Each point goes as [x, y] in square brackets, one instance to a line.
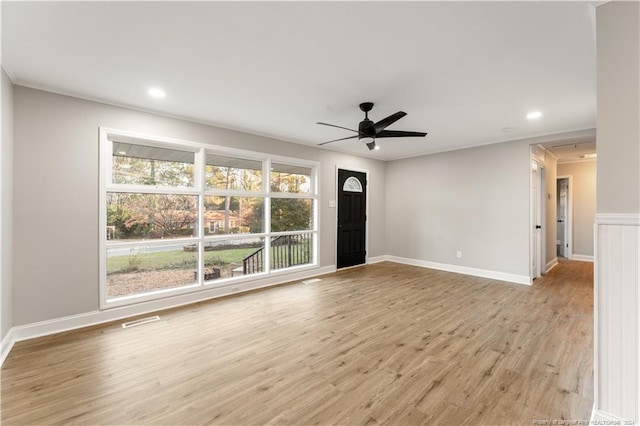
[142, 189]
[293, 195]
[266, 188]
[233, 193]
[106, 148]
[199, 179]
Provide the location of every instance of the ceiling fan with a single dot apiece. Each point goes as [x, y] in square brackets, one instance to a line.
[368, 131]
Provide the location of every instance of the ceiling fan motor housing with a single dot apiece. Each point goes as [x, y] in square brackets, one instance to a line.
[366, 129]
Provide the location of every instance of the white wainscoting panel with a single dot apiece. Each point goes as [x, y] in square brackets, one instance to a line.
[617, 323]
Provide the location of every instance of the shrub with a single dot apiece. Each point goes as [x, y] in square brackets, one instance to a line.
[214, 261]
[134, 261]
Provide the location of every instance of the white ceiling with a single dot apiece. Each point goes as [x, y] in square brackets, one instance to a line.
[462, 71]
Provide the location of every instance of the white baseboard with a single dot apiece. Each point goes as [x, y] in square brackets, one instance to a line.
[72, 322]
[496, 275]
[6, 345]
[582, 257]
[602, 417]
[551, 264]
[376, 259]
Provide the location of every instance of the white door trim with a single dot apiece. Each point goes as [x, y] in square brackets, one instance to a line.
[537, 237]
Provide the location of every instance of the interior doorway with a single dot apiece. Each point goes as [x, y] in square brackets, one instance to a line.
[538, 213]
[352, 218]
[564, 223]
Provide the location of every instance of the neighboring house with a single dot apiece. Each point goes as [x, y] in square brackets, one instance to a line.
[214, 220]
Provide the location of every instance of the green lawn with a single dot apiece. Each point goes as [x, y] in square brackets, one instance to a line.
[175, 259]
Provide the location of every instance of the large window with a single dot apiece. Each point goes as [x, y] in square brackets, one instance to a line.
[180, 217]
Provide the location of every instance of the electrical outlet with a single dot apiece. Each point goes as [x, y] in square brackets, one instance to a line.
[459, 254]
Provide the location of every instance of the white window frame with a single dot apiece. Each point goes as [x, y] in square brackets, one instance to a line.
[200, 150]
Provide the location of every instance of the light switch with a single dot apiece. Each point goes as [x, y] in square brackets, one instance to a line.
[332, 204]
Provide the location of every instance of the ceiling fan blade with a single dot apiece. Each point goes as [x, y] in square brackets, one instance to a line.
[339, 127]
[336, 140]
[399, 134]
[385, 122]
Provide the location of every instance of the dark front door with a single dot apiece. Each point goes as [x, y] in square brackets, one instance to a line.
[352, 207]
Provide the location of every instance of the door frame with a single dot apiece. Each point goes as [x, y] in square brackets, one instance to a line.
[538, 235]
[335, 222]
[569, 224]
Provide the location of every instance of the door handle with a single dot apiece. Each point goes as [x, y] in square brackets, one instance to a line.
[538, 227]
[560, 220]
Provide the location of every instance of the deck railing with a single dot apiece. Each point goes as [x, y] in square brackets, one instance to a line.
[286, 251]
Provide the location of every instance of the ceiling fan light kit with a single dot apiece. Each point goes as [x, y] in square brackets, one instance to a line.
[368, 131]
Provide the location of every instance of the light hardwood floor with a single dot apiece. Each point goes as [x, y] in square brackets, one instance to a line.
[380, 344]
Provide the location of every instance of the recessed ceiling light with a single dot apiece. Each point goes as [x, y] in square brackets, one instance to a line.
[156, 92]
[122, 153]
[589, 156]
[534, 115]
[507, 129]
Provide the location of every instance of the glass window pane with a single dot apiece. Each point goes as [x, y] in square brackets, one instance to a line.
[233, 258]
[294, 179]
[233, 215]
[143, 216]
[144, 269]
[148, 165]
[291, 250]
[233, 173]
[291, 214]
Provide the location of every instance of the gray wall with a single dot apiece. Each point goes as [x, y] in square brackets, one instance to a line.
[618, 122]
[56, 194]
[475, 200]
[584, 204]
[6, 167]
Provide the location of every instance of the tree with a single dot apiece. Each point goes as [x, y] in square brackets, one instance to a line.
[289, 182]
[138, 215]
[146, 171]
[287, 214]
[225, 177]
[165, 213]
[119, 215]
[255, 217]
